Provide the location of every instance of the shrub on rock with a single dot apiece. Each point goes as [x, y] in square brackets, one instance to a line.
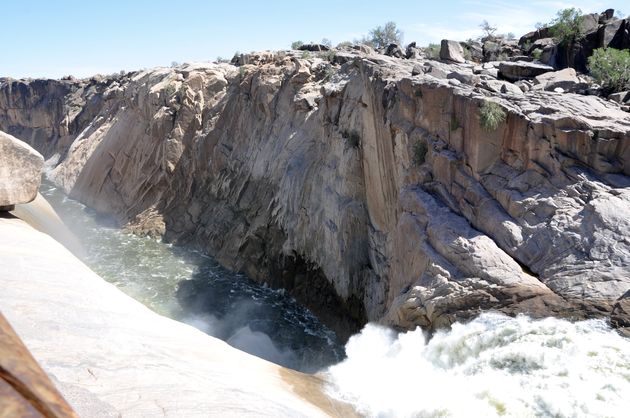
[611, 68]
[491, 115]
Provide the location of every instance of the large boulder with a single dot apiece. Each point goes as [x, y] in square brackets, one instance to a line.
[519, 70]
[20, 171]
[394, 50]
[452, 51]
[566, 79]
[314, 47]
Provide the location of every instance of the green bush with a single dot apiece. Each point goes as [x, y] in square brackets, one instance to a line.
[419, 153]
[432, 51]
[491, 115]
[381, 36]
[169, 90]
[454, 123]
[296, 44]
[567, 27]
[537, 53]
[352, 138]
[611, 68]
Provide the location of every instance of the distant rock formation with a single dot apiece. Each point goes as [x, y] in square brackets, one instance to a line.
[371, 187]
[20, 172]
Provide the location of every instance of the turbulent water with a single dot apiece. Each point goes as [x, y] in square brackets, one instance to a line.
[193, 288]
[492, 366]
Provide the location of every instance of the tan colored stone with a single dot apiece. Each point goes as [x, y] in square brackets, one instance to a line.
[20, 171]
[321, 184]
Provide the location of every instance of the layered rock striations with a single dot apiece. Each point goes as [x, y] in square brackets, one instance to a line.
[369, 193]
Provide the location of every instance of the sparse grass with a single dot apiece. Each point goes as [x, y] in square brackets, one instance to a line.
[328, 72]
[419, 152]
[454, 123]
[305, 55]
[537, 53]
[330, 55]
[169, 90]
[491, 115]
[432, 51]
[467, 54]
[352, 137]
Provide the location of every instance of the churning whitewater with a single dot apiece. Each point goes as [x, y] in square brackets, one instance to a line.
[492, 366]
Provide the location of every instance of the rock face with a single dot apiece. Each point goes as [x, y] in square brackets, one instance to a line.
[25, 390]
[452, 51]
[519, 70]
[114, 357]
[368, 193]
[20, 171]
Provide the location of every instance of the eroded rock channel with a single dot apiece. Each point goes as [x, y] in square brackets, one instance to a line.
[363, 184]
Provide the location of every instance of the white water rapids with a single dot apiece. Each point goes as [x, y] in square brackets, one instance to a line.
[492, 366]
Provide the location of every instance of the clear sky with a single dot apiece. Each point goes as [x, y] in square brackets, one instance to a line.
[48, 38]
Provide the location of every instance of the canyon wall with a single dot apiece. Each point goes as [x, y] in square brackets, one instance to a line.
[368, 192]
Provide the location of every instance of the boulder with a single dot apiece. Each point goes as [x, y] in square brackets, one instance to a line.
[621, 97]
[590, 22]
[518, 70]
[566, 79]
[531, 37]
[497, 86]
[621, 40]
[491, 51]
[452, 51]
[606, 33]
[606, 15]
[20, 171]
[365, 49]
[412, 51]
[434, 71]
[475, 50]
[314, 47]
[465, 78]
[394, 50]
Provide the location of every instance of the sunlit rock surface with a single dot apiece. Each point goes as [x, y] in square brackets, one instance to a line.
[20, 171]
[365, 184]
[111, 356]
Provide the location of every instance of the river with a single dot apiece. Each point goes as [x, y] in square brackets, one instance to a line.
[492, 366]
[192, 288]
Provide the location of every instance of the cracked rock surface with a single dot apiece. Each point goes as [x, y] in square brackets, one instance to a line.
[368, 192]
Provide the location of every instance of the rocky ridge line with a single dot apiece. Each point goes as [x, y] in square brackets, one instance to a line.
[364, 184]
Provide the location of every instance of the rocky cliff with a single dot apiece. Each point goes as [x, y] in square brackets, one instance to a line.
[368, 192]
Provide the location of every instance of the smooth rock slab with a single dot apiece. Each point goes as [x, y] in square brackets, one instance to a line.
[20, 171]
[110, 356]
[518, 70]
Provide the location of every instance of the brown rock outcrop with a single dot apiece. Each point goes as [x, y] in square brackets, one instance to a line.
[20, 171]
[367, 192]
[25, 389]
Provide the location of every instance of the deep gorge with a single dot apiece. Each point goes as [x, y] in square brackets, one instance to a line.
[254, 166]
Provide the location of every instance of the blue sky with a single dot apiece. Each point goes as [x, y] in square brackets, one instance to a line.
[55, 38]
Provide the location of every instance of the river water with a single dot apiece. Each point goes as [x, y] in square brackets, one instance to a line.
[193, 288]
[493, 366]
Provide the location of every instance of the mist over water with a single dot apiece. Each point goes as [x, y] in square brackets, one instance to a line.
[193, 288]
[492, 366]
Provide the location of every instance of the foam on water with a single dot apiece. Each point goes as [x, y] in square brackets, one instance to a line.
[492, 366]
